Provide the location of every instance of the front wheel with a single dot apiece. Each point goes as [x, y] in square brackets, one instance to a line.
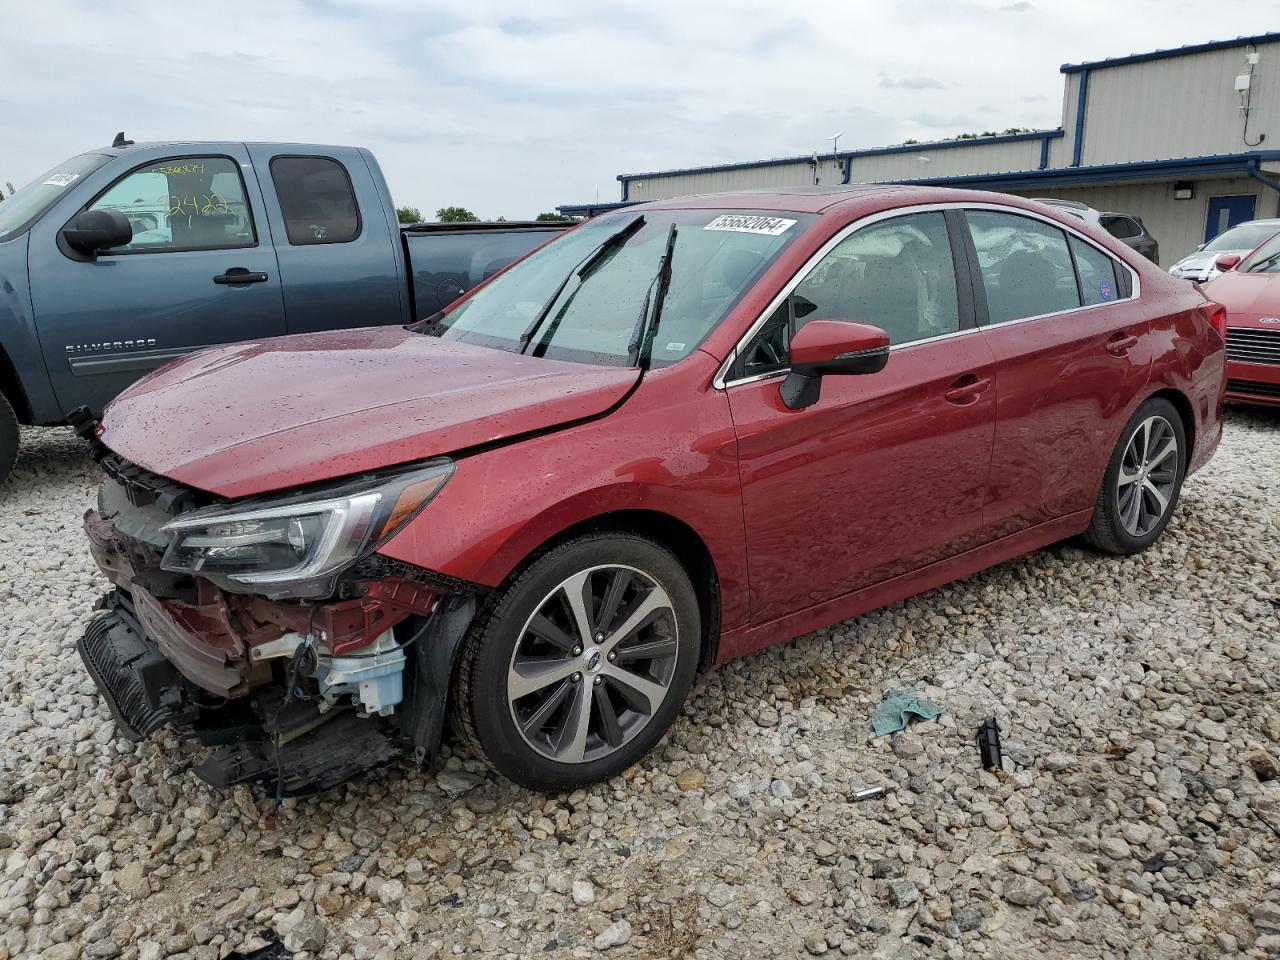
[1142, 482]
[576, 667]
[9, 438]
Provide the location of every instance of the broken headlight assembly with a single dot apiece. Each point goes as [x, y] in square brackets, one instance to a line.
[295, 546]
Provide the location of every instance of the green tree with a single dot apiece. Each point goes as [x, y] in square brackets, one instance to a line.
[456, 215]
[408, 214]
[553, 217]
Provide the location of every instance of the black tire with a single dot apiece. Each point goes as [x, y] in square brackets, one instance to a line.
[480, 711]
[9, 437]
[1108, 530]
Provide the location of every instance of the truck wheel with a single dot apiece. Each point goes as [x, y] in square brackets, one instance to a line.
[8, 438]
[577, 666]
[1142, 482]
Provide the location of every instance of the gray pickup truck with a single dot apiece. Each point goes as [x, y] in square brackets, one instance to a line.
[122, 258]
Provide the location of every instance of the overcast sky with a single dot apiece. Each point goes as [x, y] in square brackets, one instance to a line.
[511, 107]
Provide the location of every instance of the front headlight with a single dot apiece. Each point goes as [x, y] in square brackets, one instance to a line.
[296, 545]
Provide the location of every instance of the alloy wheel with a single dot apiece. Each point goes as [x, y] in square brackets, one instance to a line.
[1148, 476]
[593, 663]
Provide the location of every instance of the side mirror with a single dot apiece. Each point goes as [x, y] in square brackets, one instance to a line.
[831, 347]
[1227, 262]
[92, 230]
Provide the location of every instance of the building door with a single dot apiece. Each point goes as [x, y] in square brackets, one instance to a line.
[1226, 212]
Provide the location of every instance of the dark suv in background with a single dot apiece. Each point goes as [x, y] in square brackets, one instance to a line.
[1128, 228]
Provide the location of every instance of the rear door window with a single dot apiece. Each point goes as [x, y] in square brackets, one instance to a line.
[317, 200]
[1098, 277]
[1025, 265]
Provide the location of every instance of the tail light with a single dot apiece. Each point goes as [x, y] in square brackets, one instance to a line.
[1216, 315]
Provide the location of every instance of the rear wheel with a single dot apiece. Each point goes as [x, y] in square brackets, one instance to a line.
[8, 438]
[576, 667]
[1142, 482]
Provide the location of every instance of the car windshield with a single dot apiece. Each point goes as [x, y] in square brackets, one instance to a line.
[1244, 237]
[39, 195]
[567, 301]
[1266, 259]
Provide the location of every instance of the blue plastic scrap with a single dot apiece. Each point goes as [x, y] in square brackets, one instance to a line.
[896, 710]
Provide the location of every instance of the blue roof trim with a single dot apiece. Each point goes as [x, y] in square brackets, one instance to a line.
[1108, 172]
[1227, 163]
[1174, 52]
[849, 154]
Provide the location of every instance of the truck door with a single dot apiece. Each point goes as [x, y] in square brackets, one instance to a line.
[199, 271]
[336, 238]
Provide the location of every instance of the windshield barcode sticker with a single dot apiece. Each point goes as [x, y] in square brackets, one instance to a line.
[61, 180]
[749, 223]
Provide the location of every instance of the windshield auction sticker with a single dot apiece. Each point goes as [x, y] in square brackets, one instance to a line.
[751, 223]
[61, 180]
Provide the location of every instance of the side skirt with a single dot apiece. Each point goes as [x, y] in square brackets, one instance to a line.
[748, 639]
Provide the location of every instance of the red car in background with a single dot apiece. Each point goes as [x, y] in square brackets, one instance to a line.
[1249, 289]
[672, 436]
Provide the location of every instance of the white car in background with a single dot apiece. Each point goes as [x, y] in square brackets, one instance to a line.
[1240, 239]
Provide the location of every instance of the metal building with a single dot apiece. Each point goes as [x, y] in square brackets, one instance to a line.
[1178, 137]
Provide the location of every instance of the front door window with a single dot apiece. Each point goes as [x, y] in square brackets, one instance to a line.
[187, 203]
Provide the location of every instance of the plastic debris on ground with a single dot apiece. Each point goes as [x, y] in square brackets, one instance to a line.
[897, 708]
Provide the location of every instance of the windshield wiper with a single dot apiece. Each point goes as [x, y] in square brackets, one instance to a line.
[1257, 267]
[584, 266]
[646, 327]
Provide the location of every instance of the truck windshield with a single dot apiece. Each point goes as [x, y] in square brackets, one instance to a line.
[19, 210]
[592, 316]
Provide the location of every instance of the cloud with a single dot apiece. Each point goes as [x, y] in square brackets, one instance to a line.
[510, 107]
[1020, 6]
[911, 83]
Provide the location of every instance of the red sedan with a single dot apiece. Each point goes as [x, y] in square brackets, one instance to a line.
[1249, 289]
[672, 436]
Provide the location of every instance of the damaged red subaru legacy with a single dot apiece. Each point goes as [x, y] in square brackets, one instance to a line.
[673, 435]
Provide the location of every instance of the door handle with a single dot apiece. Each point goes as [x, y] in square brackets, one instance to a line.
[1121, 343]
[967, 389]
[238, 276]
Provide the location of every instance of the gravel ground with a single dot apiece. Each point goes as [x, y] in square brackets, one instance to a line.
[1138, 814]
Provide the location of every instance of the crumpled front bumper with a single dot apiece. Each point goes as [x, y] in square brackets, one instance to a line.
[261, 738]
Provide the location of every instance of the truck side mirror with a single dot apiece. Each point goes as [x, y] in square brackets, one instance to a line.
[92, 230]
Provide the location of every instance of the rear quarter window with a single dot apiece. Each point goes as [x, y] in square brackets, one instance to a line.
[316, 199]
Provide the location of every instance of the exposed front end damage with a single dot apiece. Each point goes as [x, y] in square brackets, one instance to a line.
[298, 694]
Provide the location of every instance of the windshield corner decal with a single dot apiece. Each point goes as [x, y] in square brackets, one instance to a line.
[61, 180]
[750, 223]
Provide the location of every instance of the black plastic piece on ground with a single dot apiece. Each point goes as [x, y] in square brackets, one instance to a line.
[336, 749]
[274, 950]
[989, 745]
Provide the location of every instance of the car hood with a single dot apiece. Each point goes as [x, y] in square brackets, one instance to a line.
[267, 415]
[1204, 259]
[1247, 297]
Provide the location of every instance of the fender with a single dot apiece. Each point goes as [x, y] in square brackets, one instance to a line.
[639, 463]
